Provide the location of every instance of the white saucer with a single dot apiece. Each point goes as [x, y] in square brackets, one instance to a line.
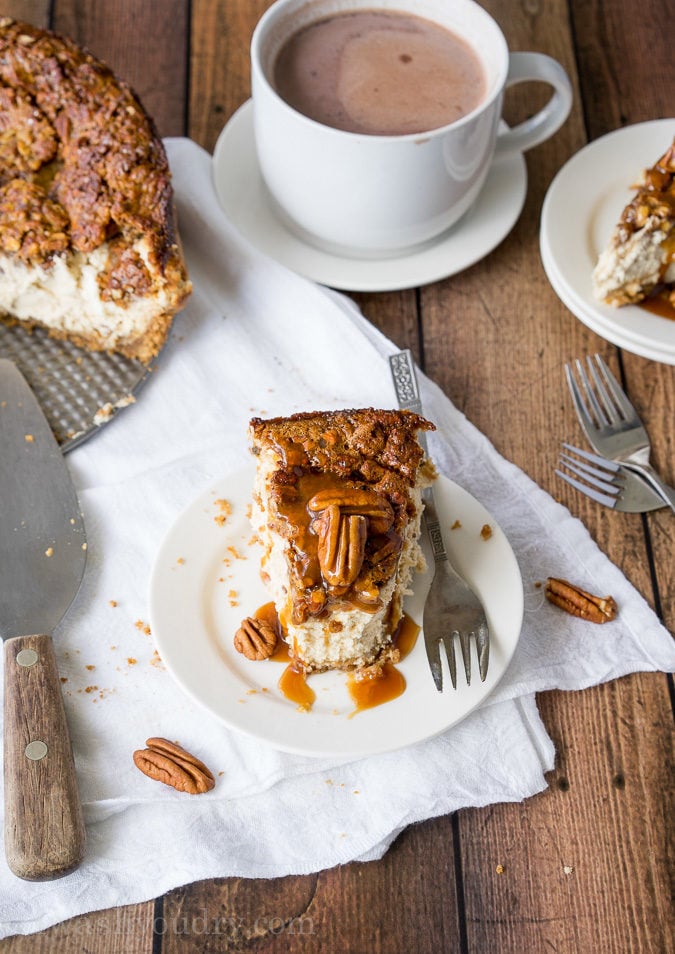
[206, 579]
[582, 206]
[244, 198]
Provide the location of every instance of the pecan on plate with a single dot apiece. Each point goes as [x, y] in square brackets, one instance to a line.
[577, 602]
[167, 762]
[255, 639]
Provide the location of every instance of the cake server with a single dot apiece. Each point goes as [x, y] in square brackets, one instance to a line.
[42, 560]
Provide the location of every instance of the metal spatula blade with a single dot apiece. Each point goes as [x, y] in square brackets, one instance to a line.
[42, 561]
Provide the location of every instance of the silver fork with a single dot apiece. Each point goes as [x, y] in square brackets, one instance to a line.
[452, 608]
[606, 482]
[611, 423]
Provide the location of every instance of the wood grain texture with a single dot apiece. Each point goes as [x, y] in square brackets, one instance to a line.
[44, 827]
[31, 11]
[144, 42]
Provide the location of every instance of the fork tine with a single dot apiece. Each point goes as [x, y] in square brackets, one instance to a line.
[610, 408]
[585, 489]
[599, 478]
[618, 394]
[600, 461]
[465, 643]
[600, 416]
[585, 419]
[449, 644]
[483, 647]
[433, 647]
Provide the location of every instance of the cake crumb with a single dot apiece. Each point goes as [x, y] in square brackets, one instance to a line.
[568, 869]
[49, 551]
[131, 660]
[28, 438]
[500, 869]
[180, 561]
[90, 668]
[486, 531]
[225, 509]
[112, 603]
[456, 525]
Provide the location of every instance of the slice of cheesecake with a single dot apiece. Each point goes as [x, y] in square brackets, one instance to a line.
[337, 505]
[640, 256]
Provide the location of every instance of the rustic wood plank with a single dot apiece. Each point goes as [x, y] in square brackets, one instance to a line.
[145, 43]
[127, 929]
[378, 907]
[31, 11]
[220, 79]
[581, 871]
[626, 58]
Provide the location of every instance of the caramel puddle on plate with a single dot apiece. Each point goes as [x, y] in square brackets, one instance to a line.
[658, 303]
[368, 687]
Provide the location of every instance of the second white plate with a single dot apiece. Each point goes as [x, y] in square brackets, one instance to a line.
[206, 580]
[581, 208]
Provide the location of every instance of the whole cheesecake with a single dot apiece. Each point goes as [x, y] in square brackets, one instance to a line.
[337, 505]
[88, 243]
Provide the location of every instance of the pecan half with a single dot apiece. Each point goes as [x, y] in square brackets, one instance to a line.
[342, 545]
[255, 638]
[351, 500]
[577, 602]
[169, 763]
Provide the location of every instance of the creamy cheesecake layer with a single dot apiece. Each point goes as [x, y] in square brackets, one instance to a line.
[63, 295]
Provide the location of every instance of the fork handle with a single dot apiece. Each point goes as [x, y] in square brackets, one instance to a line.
[644, 470]
[433, 525]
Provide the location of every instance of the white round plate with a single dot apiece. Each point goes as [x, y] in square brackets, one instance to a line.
[244, 198]
[206, 580]
[582, 206]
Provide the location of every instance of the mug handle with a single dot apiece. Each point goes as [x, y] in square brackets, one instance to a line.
[525, 67]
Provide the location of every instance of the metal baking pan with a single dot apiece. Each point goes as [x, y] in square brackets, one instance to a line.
[79, 391]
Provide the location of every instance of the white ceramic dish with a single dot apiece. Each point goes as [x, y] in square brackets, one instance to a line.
[206, 580]
[244, 198]
[581, 208]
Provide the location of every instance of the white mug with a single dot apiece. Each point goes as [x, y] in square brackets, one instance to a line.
[371, 195]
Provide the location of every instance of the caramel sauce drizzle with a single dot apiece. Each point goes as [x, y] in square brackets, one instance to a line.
[369, 687]
[658, 304]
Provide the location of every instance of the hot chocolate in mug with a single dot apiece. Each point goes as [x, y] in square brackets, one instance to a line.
[345, 182]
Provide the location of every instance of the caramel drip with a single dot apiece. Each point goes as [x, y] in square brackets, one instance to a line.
[293, 684]
[406, 635]
[368, 690]
[659, 304]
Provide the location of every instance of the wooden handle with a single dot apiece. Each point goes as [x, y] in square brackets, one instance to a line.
[44, 829]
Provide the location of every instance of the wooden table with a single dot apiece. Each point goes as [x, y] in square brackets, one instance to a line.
[584, 866]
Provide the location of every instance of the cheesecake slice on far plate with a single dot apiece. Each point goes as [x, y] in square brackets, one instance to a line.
[639, 259]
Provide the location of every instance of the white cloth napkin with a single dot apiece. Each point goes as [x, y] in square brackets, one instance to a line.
[256, 339]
